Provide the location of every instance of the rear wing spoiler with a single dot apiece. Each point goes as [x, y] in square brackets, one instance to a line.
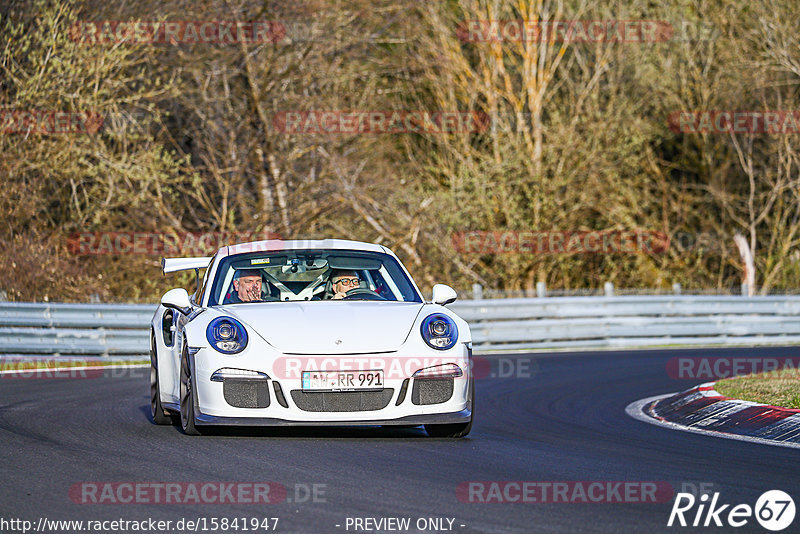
[171, 265]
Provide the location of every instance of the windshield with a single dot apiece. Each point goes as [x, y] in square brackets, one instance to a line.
[311, 275]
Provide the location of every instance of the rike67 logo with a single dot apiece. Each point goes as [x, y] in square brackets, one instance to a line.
[774, 510]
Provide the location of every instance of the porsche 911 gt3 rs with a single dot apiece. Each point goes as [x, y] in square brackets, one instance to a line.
[327, 332]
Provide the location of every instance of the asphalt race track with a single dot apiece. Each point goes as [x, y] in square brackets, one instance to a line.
[564, 422]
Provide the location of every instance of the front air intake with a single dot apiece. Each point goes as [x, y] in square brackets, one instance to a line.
[432, 390]
[246, 393]
[342, 401]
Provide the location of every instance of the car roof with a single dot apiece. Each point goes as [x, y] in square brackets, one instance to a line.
[275, 245]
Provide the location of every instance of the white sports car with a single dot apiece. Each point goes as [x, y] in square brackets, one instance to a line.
[327, 332]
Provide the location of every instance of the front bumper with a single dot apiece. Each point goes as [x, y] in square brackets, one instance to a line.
[431, 419]
[404, 406]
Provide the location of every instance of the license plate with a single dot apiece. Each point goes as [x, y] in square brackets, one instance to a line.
[343, 380]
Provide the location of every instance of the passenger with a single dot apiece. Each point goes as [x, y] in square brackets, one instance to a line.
[246, 287]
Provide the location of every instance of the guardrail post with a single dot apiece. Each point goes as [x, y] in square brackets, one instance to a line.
[541, 290]
[609, 289]
[477, 292]
[676, 288]
[745, 289]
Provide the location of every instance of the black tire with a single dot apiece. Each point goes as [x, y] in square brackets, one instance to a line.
[455, 430]
[187, 398]
[159, 415]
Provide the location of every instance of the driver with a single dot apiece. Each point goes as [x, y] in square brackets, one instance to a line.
[342, 282]
[246, 286]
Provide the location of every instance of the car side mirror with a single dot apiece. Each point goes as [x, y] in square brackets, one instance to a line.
[177, 299]
[443, 294]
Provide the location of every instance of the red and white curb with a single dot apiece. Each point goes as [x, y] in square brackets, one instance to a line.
[703, 410]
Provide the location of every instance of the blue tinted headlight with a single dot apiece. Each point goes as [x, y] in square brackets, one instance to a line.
[227, 335]
[439, 331]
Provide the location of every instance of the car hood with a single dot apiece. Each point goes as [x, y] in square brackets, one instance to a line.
[329, 327]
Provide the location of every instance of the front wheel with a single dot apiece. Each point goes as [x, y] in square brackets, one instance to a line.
[187, 398]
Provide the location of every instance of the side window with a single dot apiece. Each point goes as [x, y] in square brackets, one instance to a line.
[381, 287]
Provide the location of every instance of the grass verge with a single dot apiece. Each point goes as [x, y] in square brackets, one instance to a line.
[777, 388]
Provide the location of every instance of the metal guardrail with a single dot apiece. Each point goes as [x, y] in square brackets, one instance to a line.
[122, 329]
[75, 329]
[631, 321]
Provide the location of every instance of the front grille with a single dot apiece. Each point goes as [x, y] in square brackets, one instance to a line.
[246, 393]
[432, 390]
[341, 401]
